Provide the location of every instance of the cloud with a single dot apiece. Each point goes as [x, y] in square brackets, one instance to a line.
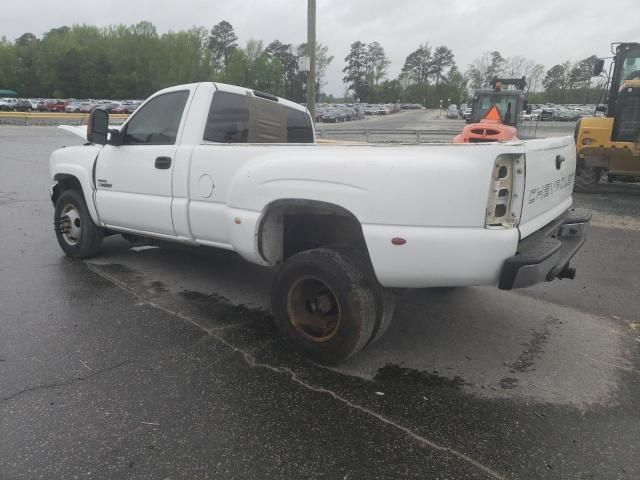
[547, 32]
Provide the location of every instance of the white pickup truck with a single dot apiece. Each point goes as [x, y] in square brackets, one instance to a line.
[345, 225]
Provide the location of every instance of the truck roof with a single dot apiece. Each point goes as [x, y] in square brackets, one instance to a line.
[225, 87]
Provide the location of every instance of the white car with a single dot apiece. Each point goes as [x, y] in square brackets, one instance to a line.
[344, 225]
[72, 107]
[8, 103]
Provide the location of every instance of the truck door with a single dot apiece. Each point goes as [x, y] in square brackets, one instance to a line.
[134, 179]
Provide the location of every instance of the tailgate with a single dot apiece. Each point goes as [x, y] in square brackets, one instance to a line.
[550, 170]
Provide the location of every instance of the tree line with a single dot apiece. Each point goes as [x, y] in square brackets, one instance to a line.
[133, 61]
[430, 76]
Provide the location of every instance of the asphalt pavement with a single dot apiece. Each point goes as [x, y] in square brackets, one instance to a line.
[162, 362]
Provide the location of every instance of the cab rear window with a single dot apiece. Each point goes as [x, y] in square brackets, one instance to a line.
[237, 118]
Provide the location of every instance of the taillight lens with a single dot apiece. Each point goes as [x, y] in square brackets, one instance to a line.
[505, 195]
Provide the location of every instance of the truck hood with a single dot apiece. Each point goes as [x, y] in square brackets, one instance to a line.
[81, 130]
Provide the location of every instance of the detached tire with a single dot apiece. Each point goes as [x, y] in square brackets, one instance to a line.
[323, 305]
[77, 235]
[586, 180]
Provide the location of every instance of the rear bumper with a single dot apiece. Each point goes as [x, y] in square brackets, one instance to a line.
[545, 255]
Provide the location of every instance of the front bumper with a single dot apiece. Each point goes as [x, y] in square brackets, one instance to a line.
[545, 255]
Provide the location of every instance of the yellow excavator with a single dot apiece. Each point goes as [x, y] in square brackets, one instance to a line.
[610, 144]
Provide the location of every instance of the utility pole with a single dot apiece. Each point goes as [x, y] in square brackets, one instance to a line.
[311, 45]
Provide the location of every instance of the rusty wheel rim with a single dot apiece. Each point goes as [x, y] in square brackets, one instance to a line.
[314, 310]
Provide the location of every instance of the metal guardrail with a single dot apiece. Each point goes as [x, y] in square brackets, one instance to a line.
[43, 117]
[374, 134]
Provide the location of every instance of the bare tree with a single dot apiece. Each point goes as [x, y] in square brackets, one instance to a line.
[535, 78]
[484, 68]
[515, 67]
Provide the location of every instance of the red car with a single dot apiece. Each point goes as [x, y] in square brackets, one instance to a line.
[126, 108]
[55, 105]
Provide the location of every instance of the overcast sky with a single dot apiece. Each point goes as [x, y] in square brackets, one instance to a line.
[546, 31]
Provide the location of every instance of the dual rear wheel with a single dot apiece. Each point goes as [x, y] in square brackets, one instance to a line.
[328, 304]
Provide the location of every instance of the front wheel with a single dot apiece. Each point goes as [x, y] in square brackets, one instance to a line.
[77, 235]
[323, 305]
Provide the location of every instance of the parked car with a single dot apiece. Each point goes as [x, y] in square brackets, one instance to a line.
[452, 111]
[55, 105]
[72, 107]
[333, 116]
[125, 108]
[86, 107]
[23, 106]
[411, 106]
[8, 104]
[109, 106]
[545, 115]
[566, 115]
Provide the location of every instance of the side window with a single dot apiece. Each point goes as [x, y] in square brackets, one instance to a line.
[237, 118]
[299, 128]
[228, 120]
[158, 121]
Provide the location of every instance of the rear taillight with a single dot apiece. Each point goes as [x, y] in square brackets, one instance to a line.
[505, 195]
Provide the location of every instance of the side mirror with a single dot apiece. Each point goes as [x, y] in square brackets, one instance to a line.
[98, 126]
[115, 137]
[598, 66]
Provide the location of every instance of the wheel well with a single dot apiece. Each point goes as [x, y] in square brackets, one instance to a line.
[292, 226]
[64, 182]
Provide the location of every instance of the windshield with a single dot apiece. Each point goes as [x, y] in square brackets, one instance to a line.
[506, 105]
[631, 66]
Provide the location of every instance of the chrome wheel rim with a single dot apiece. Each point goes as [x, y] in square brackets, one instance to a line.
[71, 225]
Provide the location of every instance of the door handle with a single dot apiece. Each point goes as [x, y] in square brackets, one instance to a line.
[163, 163]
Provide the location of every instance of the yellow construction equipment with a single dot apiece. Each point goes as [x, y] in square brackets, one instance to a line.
[610, 144]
